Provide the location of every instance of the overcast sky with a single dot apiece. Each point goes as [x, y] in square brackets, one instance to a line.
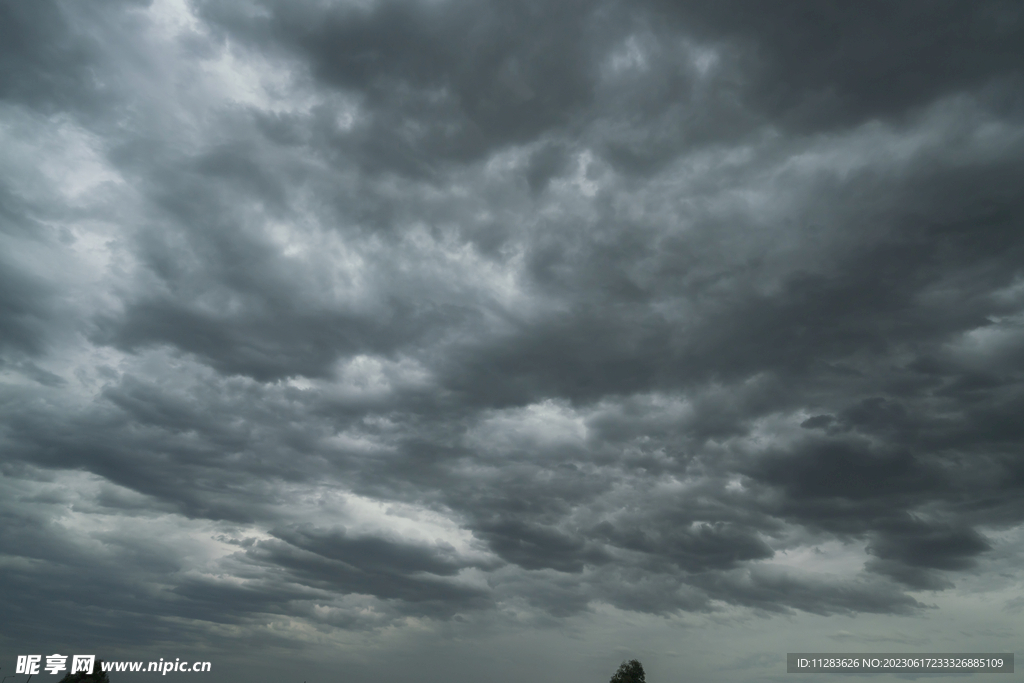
[472, 340]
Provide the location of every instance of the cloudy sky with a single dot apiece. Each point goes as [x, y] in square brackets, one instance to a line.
[462, 340]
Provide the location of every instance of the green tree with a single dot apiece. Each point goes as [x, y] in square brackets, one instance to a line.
[629, 672]
[98, 675]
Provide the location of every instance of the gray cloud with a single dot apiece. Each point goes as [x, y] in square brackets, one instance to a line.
[429, 320]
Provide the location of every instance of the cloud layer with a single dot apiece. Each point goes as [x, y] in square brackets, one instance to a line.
[351, 316]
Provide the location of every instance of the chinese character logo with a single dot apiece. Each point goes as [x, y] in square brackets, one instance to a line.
[28, 664]
[82, 663]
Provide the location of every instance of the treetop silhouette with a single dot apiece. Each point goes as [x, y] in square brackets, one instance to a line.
[629, 672]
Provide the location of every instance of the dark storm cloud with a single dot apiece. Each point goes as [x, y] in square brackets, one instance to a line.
[391, 581]
[447, 308]
[43, 58]
[115, 584]
[448, 81]
[924, 545]
[374, 554]
[257, 345]
[711, 546]
[834, 65]
[779, 591]
[851, 471]
[24, 301]
[56, 57]
[63, 573]
[550, 161]
[535, 547]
